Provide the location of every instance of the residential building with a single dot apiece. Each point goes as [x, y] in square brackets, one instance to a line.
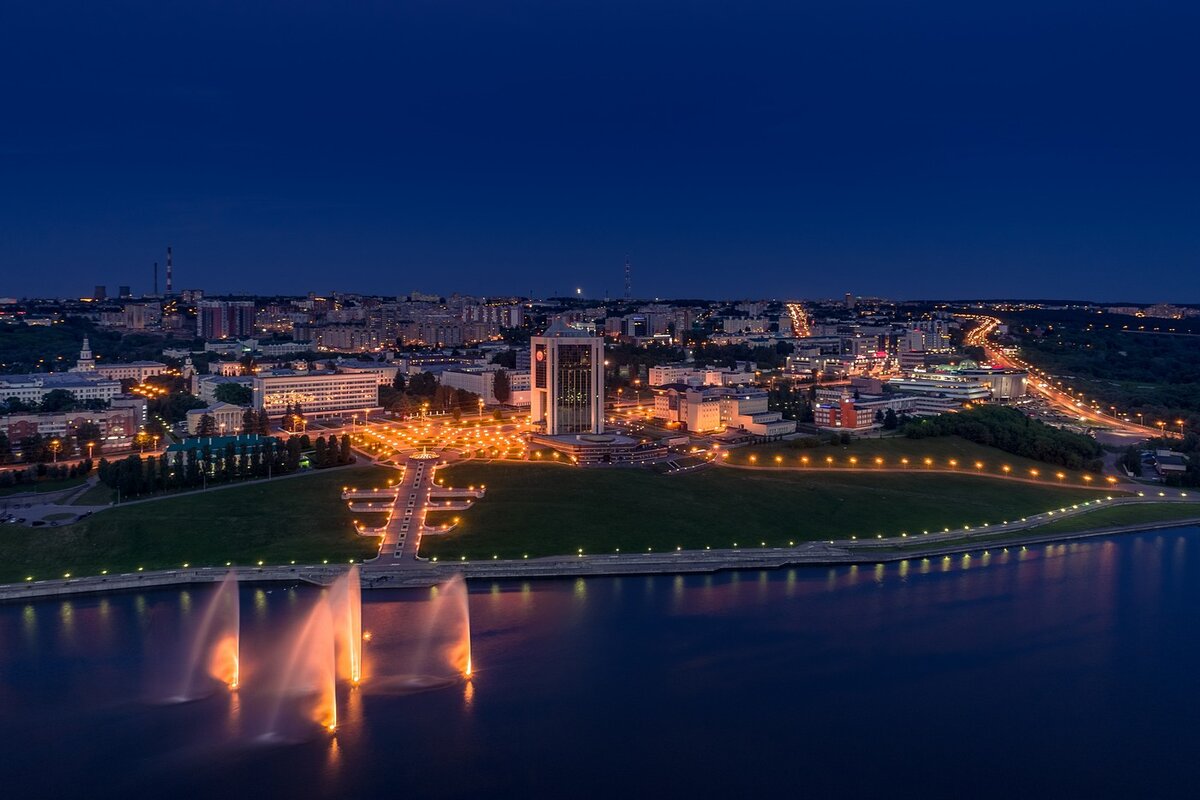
[31, 388]
[224, 319]
[117, 424]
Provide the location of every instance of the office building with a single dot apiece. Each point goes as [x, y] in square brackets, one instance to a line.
[227, 418]
[568, 381]
[319, 394]
[482, 381]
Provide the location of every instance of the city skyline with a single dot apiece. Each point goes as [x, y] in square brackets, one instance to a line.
[794, 151]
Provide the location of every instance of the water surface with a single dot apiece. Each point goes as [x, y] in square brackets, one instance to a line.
[1063, 670]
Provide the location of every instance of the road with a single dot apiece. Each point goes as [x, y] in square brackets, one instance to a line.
[1042, 385]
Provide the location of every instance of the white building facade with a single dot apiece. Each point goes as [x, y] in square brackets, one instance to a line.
[318, 393]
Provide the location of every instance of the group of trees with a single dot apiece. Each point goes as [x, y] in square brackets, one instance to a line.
[38, 449]
[332, 453]
[253, 422]
[46, 348]
[1157, 377]
[1009, 430]
[792, 402]
[421, 392]
[196, 467]
[293, 417]
[32, 474]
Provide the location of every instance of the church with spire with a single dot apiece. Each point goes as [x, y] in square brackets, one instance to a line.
[86, 361]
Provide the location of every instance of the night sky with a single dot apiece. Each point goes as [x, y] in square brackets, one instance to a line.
[740, 149]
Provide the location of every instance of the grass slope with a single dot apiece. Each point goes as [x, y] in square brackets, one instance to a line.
[1122, 515]
[940, 449]
[301, 518]
[547, 510]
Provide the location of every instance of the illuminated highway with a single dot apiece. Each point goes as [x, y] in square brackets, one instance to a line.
[1062, 397]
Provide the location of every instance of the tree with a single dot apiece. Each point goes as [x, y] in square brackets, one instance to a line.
[424, 384]
[506, 358]
[1131, 460]
[293, 453]
[234, 393]
[346, 457]
[58, 400]
[398, 381]
[34, 450]
[207, 427]
[264, 423]
[249, 421]
[890, 420]
[501, 387]
[319, 453]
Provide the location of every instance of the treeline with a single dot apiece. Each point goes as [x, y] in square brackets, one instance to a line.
[38, 472]
[136, 476]
[1009, 430]
[38, 449]
[423, 392]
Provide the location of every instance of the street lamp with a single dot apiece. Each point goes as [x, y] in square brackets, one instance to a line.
[55, 445]
[90, 445]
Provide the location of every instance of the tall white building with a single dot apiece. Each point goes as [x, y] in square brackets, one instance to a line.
[568, 381]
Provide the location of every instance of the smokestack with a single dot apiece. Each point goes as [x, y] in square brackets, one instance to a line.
[170, 285]
[156, 279]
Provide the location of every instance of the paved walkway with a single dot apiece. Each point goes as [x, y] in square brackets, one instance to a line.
[402, 536]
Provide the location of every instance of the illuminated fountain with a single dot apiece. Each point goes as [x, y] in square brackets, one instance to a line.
[456, 613]
[447, 639]
[306, 691]
[217, 637]
[345, 597]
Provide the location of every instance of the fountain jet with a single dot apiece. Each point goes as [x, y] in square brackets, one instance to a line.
[310, 671]
[346, 600]
[218, 636]
[447, 639]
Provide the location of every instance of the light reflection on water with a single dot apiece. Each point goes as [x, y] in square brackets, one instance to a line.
[1082, 649]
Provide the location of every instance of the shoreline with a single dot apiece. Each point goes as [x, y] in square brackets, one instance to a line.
[426, 574]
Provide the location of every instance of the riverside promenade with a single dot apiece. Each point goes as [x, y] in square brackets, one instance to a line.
[408, 572]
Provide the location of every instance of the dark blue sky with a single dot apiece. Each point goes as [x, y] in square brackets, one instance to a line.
[733, 149]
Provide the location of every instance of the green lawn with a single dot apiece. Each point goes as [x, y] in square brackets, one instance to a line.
[41, 486]
[98, 495]
[301, 518]
[939, 449]
[1122, 515]
[539, 510]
